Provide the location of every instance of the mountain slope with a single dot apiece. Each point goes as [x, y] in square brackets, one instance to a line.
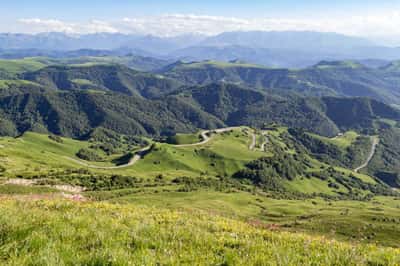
[343, 78]
[77, 113]
[105, 77]
[67, 107]
[236, 105]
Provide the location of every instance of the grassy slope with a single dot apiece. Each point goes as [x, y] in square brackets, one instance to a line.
[21, 65]
[343, 141]
[376, 221]
[226, 153]
[65, 233]
[180, 139]
[6, 84]
[313, 185]
[36, 152]
[223, 155]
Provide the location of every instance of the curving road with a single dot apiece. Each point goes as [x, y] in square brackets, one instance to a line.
[265, 143]
[375, 142]
[253, 141]
[205, 136]
[140, 154]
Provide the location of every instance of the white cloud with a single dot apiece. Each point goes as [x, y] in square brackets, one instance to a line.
[53, 25]
[376, 25]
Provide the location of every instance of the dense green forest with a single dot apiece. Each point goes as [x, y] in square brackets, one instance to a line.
[342, 78]
[75, 112]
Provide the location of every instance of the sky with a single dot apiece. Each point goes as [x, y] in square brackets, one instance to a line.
[373, 19]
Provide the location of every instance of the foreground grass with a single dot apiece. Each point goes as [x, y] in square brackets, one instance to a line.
[68, 233]
[376, 221]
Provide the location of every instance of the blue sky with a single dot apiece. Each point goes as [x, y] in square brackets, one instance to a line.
[370, 18]
[106, 9]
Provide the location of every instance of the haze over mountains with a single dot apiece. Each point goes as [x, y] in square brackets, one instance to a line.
[291, 49]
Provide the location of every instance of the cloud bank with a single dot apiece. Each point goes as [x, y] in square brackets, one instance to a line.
[37, 25]
[377, 25]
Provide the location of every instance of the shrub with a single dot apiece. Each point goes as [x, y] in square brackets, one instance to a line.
[88, 155]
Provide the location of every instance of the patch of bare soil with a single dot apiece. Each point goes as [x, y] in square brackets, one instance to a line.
[20, 181]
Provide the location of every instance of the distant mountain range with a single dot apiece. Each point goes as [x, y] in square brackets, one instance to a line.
[276, 49]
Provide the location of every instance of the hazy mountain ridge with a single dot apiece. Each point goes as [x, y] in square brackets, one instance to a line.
[281, 49]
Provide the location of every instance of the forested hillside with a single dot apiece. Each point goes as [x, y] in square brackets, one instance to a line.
[344, 78]
[75, 112]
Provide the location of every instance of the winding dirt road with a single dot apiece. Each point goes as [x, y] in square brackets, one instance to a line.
[253, 141]
[140, 154]
[265, 143]
[375, 142]
[205, 136]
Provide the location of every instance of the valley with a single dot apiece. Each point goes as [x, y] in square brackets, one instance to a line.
[197, 176]
[230, 153]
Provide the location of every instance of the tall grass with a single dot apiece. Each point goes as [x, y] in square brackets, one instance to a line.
[67, 233]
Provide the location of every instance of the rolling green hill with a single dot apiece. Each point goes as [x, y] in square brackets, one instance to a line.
[324, 79]
[75, 112]
[283, 187]
[285, 166]
[338, 78]
[18, 66]
[105, 77]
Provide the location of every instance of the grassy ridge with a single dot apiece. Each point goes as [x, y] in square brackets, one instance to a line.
[66, 233]
[20, 65]
[342, 141]
[6, 84]
[180, 139]
[224, 154]
[36, 152]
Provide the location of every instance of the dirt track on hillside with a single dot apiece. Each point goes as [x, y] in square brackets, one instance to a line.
[375, 143]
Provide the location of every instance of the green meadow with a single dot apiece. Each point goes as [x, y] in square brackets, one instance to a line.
[180, 205]
[58, 232]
